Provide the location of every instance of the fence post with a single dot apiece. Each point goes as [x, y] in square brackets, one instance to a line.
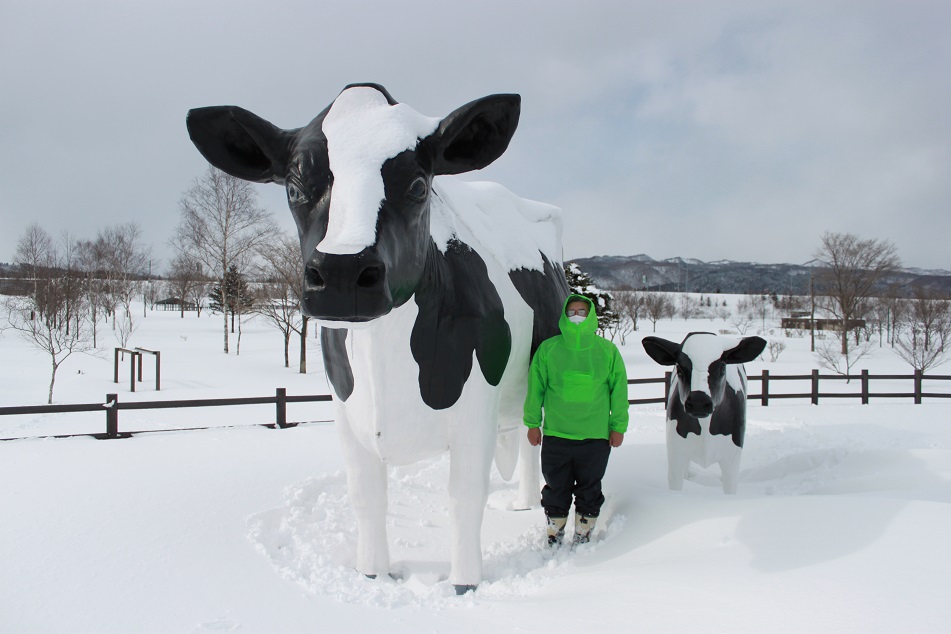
[815, 387]
[112, 415]
[918, 377]
[139, 360]
[666, 387]
[765, 390]
[132, 371]
[864, 387]
[281, 407]
[158, 370]
[116, 366]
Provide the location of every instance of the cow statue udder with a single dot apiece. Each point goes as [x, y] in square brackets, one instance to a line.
[431, 293]
[706, 407]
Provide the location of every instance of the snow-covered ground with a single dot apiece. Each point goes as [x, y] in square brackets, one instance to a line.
[840, 523]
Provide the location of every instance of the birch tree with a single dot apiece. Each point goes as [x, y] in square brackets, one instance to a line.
[124, 259]
[221, 225]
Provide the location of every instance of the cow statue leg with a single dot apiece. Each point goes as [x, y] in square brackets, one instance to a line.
[471, 445]
[678, 458]
[366, 484]
[529, 478]
[730, 470]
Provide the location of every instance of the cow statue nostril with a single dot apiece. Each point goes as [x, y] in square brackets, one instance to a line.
[370, 277]
[313, 278]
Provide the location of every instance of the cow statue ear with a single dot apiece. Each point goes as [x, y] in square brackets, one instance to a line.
[240, 143]
[660, 350]
[748, 349]
[474, 135]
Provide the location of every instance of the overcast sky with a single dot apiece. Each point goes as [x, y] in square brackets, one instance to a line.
[713, 130]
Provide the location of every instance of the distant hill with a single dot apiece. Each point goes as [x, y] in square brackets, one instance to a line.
[723, 276]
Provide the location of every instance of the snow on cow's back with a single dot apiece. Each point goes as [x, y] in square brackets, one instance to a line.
[495, 221]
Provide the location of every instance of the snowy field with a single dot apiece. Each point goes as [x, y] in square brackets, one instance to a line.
[840, 525]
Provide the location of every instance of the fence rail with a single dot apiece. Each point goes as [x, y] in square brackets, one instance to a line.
[814, 395]
[112, 405]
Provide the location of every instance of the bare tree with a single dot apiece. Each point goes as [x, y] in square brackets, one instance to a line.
[197, 294]
[91, 256]
[742, 319]
[35, 254]
[47, 332]
[789, 303]
[125, 260]
[619, 328]
[852, 267]
[689, 307]
[629, 306]
[70, 279]
[776, 348]
[147, 289]
[658, 306]
[922, 343]
[52, 269]
[185, 278]
[221, 225]
[892, 309]
[281, 292]
[829, 356]
[878, 318]
[51, 319]
[761, 308]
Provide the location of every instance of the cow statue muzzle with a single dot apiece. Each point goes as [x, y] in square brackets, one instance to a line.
[698, 404]
[348, 288]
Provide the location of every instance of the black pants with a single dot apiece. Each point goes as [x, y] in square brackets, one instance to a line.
[573, 467]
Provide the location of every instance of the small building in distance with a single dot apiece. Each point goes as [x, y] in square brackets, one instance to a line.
[801, 320]
[175, 304]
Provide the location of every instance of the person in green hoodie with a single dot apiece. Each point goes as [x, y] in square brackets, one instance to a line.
[576, 408]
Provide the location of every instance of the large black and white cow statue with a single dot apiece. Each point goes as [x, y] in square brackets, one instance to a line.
[432, 293]
[706, 408]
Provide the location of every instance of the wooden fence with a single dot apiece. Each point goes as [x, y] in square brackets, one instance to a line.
[112, 405]
[864, 392]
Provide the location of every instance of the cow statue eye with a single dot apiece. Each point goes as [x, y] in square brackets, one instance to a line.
[294, 194]
[418, 190]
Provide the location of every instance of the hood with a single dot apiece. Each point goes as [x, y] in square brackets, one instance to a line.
[578, 334]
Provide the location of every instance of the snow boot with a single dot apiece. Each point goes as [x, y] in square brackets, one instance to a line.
[584, 525]
[556, 530]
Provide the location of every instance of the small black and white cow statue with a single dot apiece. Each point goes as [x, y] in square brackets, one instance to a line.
[706, 408]
[432, 293]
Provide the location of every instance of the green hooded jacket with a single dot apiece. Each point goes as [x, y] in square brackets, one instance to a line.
[578, 378]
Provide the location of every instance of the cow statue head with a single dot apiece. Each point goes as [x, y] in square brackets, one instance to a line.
[701, 366]
[359, 184]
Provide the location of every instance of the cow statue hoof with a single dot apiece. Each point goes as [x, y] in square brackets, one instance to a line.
[462, 589]
[706, 409]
